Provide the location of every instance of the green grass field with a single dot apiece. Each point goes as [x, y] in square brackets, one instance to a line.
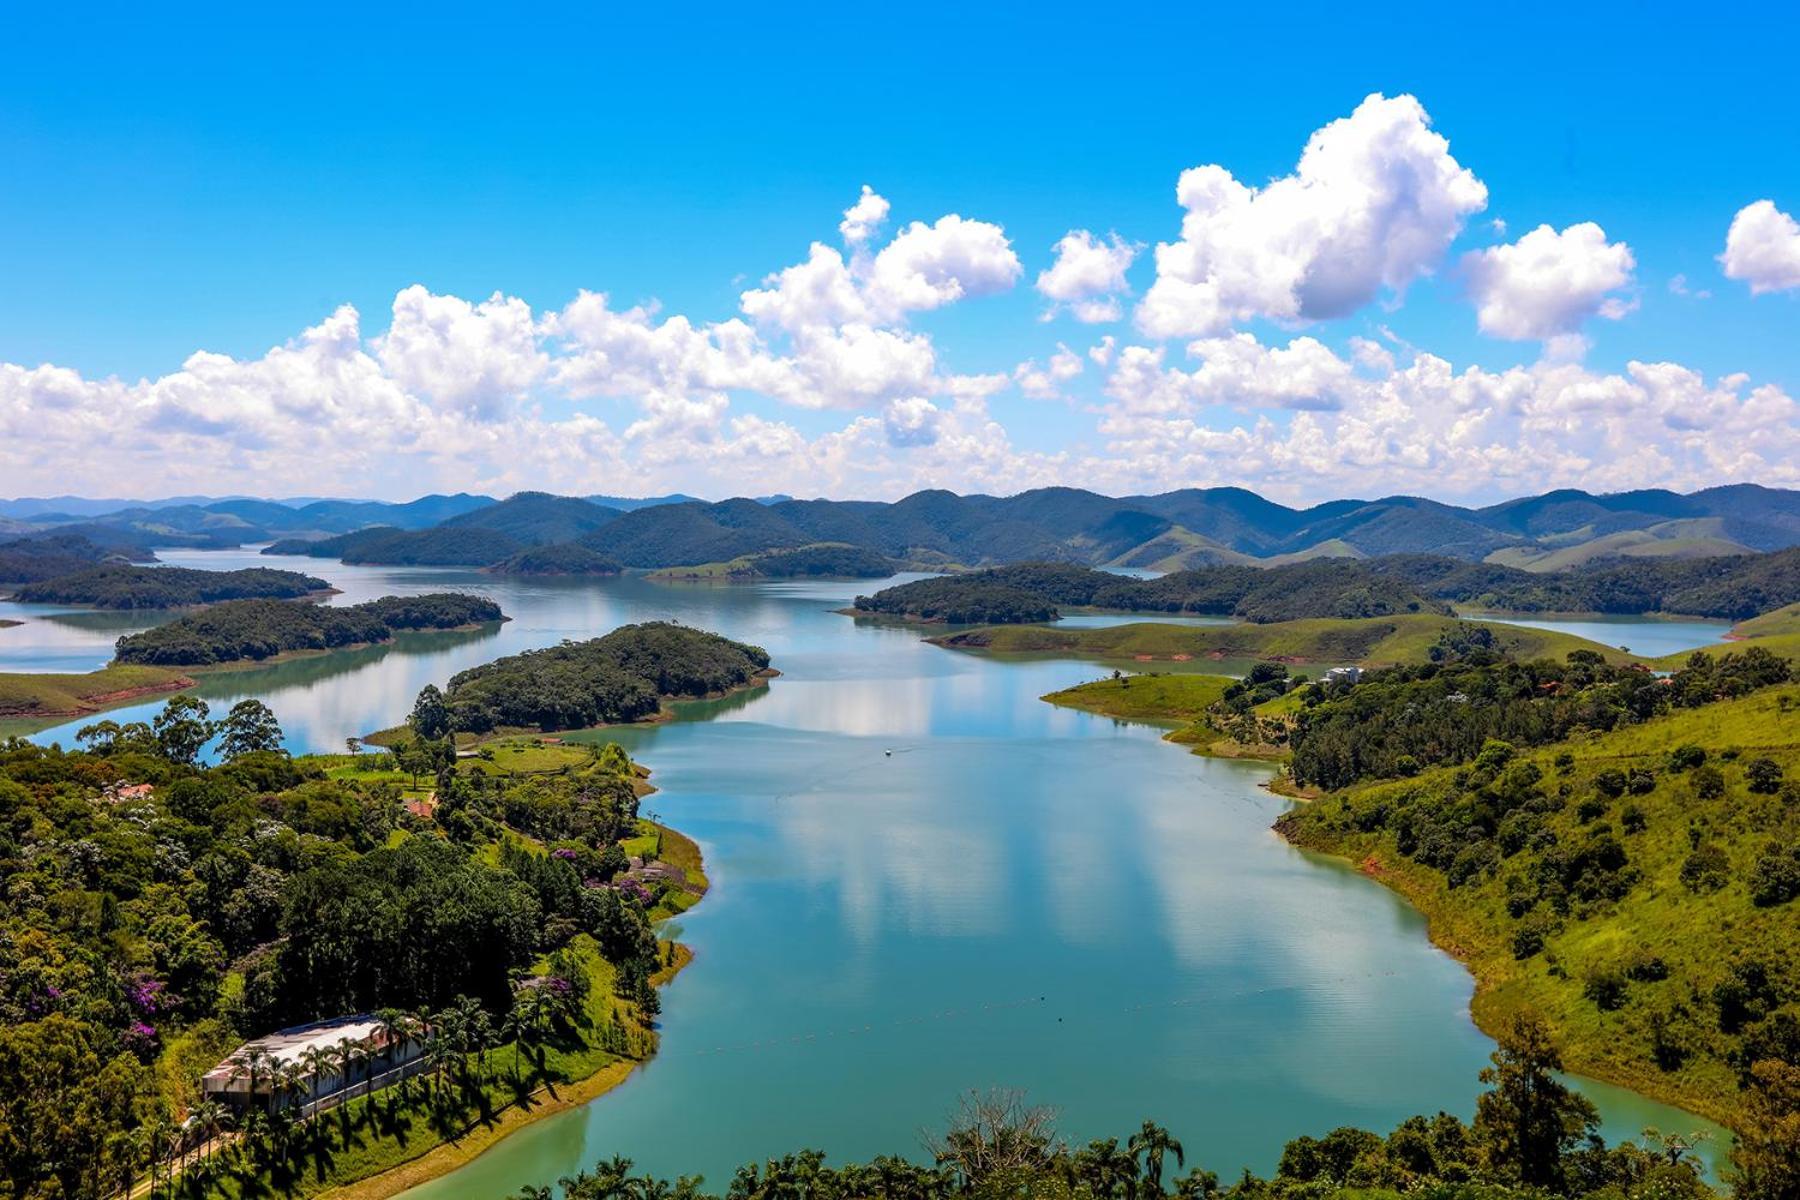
[29, 697]
[1697, 934]
[1375, 641]
[1145, 697]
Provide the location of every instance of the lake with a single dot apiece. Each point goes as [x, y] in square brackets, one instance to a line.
[926, 880]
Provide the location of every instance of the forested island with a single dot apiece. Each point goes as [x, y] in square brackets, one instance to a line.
[623, 676]
[1731, 588]
[255, 630]
[567, 559]
[129, 587]
[445, 546]
[492, 915]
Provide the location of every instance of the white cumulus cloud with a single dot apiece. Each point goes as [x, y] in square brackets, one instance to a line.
[1762, 249]
[1374, 203]
[1088, 276]
[1547, 283]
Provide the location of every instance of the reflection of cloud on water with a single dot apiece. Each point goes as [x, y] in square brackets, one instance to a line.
[899, 850]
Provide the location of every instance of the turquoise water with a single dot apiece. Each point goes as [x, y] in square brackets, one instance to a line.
[927, 880]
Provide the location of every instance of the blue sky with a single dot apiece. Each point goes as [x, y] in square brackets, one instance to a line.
[223, 181]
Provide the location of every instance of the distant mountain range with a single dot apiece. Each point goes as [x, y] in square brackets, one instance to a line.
[1168, 531]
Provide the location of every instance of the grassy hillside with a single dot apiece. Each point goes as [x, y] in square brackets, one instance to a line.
[1370, 642]
[1702, 537]
[1632, 896]
[29, 697]
[1777, 632]
[1145, 697]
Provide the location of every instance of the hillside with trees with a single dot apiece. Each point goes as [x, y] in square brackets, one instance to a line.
[267, 891]
[1636, 886]
[536, 518]
[254, 630]
[127, 587]
[1312, 589]
[623, 676]
[443, 546]
[30, 559]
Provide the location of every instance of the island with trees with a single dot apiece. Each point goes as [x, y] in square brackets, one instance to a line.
[257, 630]
[129, 587]
[496, 911]
[627, 675]
[567, 559]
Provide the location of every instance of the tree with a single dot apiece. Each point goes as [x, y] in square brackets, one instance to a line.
[249, 728]
[1530, 1120]
[182, 729]
[1151, 1143]
[430, 716]
[1766, 1159]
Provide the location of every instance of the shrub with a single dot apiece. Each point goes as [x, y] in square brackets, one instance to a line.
[1776, 877]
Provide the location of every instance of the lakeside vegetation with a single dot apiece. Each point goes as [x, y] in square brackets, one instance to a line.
[623, 676]
[159, 911]
[1376, 641]
[255, 630]
[127, 587]
[1635, 886]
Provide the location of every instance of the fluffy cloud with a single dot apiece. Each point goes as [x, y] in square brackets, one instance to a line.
[1045, 383]
[1088, 276]
[470, 357]
[1374, 203]
[863, 218]
[1762, 248]
[1548, 284]
[929, 266]
[1430, 428]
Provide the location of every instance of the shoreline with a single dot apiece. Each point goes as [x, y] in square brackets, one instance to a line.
[449, 1156]
[1482, 1009]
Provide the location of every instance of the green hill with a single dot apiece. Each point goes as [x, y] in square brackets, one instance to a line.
[1369, 642]
[1635, 887]
[536, 518]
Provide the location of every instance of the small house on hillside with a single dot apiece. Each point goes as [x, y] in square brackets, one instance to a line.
[301, 1066]
[1344, 675]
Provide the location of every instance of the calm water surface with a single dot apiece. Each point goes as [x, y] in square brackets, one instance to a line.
[926, 880]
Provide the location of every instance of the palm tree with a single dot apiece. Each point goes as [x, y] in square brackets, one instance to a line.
[395, 1028]
[1151, 1143]
[318, 1062]
[255, 1062]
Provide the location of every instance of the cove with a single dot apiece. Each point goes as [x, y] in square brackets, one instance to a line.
[1017, 895]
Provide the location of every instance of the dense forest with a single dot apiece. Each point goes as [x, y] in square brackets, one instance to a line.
[1034, 592]
[28, 560]
[623, 676]
[1531, 1136]
[236, 630]
[146, 930]
[563, 559]
[127, 587]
